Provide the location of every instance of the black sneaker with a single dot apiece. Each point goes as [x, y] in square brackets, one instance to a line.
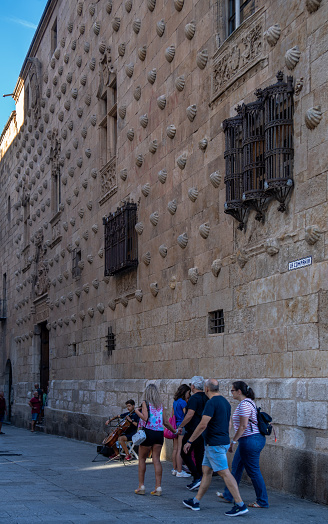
[191, 504]
[237, 510]
[194, 485]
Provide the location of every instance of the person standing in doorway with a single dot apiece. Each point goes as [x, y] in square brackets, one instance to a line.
[195, 408]
[214, 426]
[3, 410]
[35, 404]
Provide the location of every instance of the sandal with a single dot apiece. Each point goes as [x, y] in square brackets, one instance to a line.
[220, 495]
[157, 492]
[140, 491]
[255, 505]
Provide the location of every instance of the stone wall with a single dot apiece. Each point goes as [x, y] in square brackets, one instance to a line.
[62, 179]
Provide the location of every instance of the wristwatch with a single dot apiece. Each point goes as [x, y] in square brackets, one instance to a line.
[233, 442]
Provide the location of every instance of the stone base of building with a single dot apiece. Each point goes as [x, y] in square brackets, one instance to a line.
[297, 463]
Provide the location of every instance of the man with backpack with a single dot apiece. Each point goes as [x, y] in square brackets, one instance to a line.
[195, 408]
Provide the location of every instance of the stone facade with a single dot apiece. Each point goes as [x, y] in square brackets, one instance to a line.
[124, 101]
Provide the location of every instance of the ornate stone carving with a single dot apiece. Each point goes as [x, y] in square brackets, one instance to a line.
[154, 289]
[215, 179]
[292, 57]
[108, 180]
[312, 235]
[35, 85]
[193, 275]
[216, 267]
[204, 230]
[312, 5]
[106, 72]
[237, 55]
[272, 34]
[272, 246]
[313, 117]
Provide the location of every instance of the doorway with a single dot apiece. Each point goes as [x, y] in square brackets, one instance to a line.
[44, 360]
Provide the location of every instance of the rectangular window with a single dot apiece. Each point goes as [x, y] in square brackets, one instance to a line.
[238, 11]
[216, 322]
[76, 258]
[54, 37]
[121, 244]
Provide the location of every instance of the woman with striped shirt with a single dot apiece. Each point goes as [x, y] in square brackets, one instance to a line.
[250, 444]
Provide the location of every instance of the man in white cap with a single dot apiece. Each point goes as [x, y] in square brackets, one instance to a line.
[195, 408]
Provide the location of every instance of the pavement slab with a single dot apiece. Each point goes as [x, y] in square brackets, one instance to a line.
[51, 479]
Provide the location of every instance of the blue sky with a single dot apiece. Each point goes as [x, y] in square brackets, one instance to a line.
[18, 22]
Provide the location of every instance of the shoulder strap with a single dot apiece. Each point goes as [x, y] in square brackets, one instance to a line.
[251, 402]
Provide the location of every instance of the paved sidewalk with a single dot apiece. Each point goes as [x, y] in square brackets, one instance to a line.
[53, 480]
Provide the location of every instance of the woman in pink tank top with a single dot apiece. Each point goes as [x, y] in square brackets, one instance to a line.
[152, 420]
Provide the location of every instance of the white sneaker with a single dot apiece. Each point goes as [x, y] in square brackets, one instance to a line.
[182, 474]
[174, 471]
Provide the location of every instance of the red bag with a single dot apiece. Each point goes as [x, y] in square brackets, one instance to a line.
[167, 432]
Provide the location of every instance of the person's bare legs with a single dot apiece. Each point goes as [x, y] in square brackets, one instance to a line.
[174, 454]
[205, 483]
[122, 440]
[157, 448]
[231, 484]
[33, 425]
[143, 454]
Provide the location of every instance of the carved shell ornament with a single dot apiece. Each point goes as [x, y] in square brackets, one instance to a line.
[312, 235]
[86, 47]
[292, 57]
[162, 250]
[154, 289]
[193, 194]
[202, 59]
[79, 8]
[136, 25]
[204, 230]
[130, 134]
[139, 227]
[109, 6]
[151, 76]
[151, 4]
[183, 240]
[178, 4]
[216, 267]
[312, 5]
[191, 112]
[101, 307]
[172, 206]
[137, 93]
[153, 146]
[145, 190]
[116, 23]
[313, 117]
[138, 295]
[161, 101]
[129, 68]
[92, 9]
[122, 111]
[146, 258]
[121, 49]
[170, 53]
[190, 30]
[193, 275]
[82, 29]
[215, 179]
[171, 131]
[112, 304]
[142, 52]
[144, 120]
[160, 28]
[272, 34]
[181, 161]
[139, 160]
[180, 83]
[102, 47]
[154, 218]
[124, 174]
[128, 6]
[202, 144]
[272, 246]
[162, 176]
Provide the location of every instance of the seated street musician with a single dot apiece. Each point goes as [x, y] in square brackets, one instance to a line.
[127, 435]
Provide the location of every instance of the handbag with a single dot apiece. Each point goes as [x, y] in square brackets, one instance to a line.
[139, 437]
[167, 433]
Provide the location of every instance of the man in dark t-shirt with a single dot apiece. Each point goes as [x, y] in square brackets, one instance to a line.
[214, 426]
[195, 408]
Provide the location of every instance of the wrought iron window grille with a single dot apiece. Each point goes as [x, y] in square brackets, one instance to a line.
[3, 309]
[259, 152]
[216, 322]
[121, 243]
[110, 343]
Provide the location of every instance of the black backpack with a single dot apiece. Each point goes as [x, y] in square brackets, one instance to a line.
[263, 421]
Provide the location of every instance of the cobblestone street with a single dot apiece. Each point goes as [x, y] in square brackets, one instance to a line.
[50, 479]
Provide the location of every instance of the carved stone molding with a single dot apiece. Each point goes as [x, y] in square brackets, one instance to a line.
[243, 50]
[41, 309]
[35, 85]
[108, 180]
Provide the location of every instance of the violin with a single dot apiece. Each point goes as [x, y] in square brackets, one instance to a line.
[113, 437]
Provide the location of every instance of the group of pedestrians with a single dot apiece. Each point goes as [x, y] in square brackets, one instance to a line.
[202, 441]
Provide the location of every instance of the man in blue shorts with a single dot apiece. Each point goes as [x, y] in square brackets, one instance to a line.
[215, 428]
